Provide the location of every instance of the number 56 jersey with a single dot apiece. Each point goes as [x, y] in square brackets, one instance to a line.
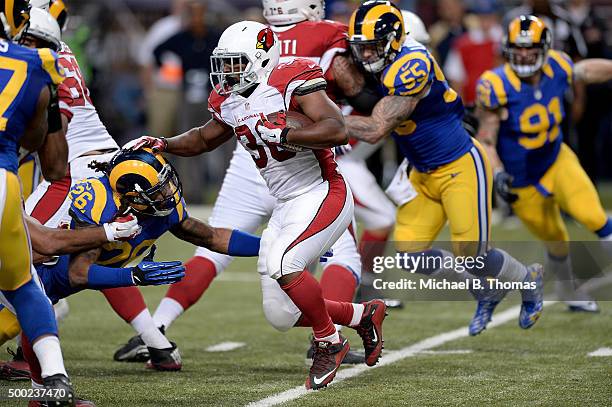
[288, 174]
[530, 134]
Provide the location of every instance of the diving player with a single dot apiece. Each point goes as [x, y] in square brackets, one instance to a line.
[451, 174]
[29, 79]
[521, 110]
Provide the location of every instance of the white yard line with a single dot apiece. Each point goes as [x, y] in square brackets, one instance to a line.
[446, 352]
[601, 352]
[225, 346]
[392, 357]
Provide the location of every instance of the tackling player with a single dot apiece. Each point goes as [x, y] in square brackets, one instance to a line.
[451, 174]
[29, 81]
[521, 110]
[253, 93]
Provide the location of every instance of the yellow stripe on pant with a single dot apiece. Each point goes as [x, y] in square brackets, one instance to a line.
[459, 192]
[564, 186]
[15, 251]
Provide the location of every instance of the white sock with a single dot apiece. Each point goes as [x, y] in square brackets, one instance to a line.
[49, 355]
[338, 327]
[357, 314]
[333, 338]
[512, 269]
[167, 311]
[145, 326]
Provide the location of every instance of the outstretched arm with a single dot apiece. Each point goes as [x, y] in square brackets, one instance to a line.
[593, 70]
[226, 241]
[388, 114]
[199, 139]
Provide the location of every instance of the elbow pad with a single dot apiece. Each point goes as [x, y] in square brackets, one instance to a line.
[365, 100]
[54, 118]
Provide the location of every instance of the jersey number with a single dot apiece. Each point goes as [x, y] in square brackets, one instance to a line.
[74, 81]
[19, 72]
[536, 119]
[258, 147]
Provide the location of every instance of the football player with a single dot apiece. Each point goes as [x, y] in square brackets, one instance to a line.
[30, 78]
[521, 110]
[451, 174]
[313, 207]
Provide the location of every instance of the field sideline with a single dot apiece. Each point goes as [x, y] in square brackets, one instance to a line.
[547, 365]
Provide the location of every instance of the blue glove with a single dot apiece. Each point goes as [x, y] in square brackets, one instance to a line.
[503, 185]
[150, 272]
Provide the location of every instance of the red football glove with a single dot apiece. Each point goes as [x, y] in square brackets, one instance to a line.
[273, 133]
[158, 145]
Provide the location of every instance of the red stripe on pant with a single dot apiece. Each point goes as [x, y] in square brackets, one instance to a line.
[52, 200]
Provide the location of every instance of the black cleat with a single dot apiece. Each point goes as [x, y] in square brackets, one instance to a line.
[59, 389]
[134, 350]
[165, 360]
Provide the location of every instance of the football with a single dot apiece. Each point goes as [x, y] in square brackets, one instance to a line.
[295, 120]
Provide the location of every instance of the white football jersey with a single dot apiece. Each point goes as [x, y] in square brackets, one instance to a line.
[288, 174]
[85, 130]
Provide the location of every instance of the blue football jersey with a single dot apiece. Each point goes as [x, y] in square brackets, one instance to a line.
[530, 135]
[24, 72]
[434, 134]
[94, 203]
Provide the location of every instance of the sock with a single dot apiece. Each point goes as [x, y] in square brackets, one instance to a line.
[167, 311]
[502, 266]
[338, 283]
[126, 301]
[199, 273]
[371, 245]
[605, 233]
[305, 292]
[49, 355]
[34, 310]
[30, 357]
[151, 336]
[343, 313]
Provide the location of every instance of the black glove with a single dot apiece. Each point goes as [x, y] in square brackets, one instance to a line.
[503, 184]
[54, 117]
[150, 272]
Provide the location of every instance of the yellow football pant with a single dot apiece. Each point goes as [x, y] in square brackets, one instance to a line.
[29, 174]
[564, 186]
[9, 326]
[459, 192]
[15, 251]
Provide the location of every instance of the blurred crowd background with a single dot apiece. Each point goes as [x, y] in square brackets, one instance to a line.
[147, 61]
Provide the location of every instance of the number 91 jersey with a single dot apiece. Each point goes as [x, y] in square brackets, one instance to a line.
[530, 134]
[288, 174]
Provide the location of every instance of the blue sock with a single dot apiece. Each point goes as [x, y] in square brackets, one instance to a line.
[606, 230]
[493, 262]
[34, 311]
[100, 277]
[243, 244]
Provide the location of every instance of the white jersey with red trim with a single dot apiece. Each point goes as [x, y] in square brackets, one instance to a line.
[85, 130]
[288, 174]
[318, 41]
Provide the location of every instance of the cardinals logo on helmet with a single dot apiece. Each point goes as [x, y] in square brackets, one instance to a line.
[265, 39]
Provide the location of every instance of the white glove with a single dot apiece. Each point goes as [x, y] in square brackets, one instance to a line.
[272, 134]
[156, 144]
[124, 228]
[400, 190]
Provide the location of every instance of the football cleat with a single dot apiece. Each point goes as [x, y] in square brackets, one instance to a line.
[370, 330]
[326, 361]
[16, 369]
[59, 383]
[582, 306]
[488, 299]
[351, 358]
[533, 299]
[165, 360]
[134, 350]
[78, 403]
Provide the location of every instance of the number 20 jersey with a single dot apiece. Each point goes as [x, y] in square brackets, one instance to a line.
[288, 174]
[530, 134]
[86, 132]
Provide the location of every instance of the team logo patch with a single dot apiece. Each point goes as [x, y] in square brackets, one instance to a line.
[265, 39]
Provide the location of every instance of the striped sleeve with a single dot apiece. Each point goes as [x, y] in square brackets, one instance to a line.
[408, 75]
[50, 64]
[490, 92]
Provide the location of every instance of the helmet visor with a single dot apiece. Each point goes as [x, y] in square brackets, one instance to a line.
[161, 199]
[525, 61]
[371, 54]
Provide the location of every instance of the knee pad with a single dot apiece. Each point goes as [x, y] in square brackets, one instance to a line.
[280, 316]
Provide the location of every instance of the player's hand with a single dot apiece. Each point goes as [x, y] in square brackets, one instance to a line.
[123, 228]
[273, 133]
[158, 145]
[150, 272]
[503, 186]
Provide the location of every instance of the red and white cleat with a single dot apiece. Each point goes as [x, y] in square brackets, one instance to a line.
[325, 362]
[370, 330]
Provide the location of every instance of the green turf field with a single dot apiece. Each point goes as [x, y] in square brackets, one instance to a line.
[504, 366]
